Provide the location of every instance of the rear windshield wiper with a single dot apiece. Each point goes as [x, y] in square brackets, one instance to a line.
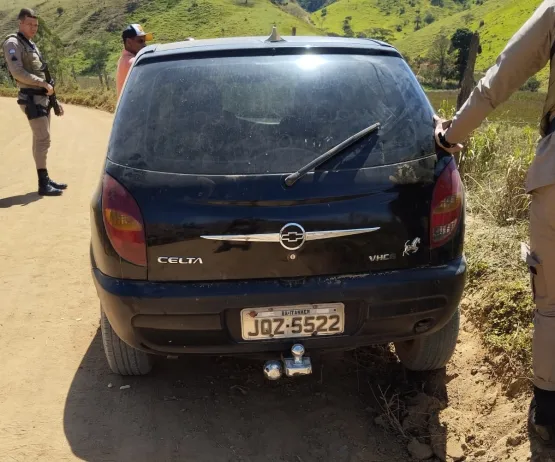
[294, 177]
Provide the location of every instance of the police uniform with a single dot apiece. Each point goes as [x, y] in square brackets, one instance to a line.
[528, 51]
[26, 66]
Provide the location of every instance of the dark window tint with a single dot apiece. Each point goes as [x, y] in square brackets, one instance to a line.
[255, 115]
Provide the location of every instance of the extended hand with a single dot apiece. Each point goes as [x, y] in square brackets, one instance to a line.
[441, 128]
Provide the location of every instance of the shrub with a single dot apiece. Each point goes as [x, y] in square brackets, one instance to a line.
[533, 85]
[495, 166]
[429, 18]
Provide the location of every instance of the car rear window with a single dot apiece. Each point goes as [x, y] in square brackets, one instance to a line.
[269, 114]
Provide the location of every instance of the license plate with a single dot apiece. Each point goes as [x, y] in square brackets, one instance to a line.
[293, 321]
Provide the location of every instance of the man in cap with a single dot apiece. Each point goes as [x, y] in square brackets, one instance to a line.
[134, 40]
[29, 70]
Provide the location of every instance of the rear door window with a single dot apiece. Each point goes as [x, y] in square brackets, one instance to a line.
[269, 114]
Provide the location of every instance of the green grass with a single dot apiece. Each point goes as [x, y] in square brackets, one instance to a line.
[94, 98]
[173, 20]
[522, 108]
[367, 14]
[169, 20]
[497, 296]
[8, 92]
[218, 18]
[502, 18]
[81, 19]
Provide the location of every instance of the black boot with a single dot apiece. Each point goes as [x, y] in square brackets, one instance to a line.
[57, 185]
[45, 188]
[542, 416]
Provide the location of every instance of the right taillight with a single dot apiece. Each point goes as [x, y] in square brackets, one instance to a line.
[447, 202]
[123, 222]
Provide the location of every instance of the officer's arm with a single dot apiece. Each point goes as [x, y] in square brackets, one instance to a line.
[14, 59]
[527, 52]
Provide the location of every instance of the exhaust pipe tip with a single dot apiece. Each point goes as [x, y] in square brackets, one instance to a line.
[273, 370]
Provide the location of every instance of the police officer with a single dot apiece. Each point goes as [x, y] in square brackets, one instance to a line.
[527, 52]
[27, 67]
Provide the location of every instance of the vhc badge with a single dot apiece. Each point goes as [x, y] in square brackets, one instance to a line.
[383, 257]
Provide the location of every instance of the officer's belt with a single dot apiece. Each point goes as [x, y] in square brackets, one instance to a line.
[32, 110]
[33, 91]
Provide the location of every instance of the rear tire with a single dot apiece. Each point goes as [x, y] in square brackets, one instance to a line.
[431, 352]
[122, 359]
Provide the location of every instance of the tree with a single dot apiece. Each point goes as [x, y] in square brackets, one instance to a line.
[468, 82]
[379, 33]
[5, 77]
[52, 49]
[417, 22]
[96, 53]
[460, 42]
[347, 27]
[131, 7]
[439, 56]
[312, 5]
[60, 11]
[429, 18]
[468, 18]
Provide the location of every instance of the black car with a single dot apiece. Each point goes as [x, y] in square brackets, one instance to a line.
[267, 195]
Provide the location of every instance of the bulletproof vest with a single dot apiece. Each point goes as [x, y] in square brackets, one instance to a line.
[31, 57]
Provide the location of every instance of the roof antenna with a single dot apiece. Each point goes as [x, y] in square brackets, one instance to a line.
[275, 37]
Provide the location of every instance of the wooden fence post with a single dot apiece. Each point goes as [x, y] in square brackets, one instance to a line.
[467, 82]
[467, 85]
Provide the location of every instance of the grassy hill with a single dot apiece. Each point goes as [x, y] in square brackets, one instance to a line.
[398, 16]
[501, 19]
[77, 21]
[496, 20]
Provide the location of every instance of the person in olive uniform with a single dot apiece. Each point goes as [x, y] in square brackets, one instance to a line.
[26, 65]
[528, 51]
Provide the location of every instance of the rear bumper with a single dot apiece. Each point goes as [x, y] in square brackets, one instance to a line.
[204, 318]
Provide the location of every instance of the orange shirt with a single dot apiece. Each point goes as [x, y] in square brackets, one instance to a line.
[125, 61]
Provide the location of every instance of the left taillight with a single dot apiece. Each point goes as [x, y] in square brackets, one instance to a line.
[447, 203]
[123, 222]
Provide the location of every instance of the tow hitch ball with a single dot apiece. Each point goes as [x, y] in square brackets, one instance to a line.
[297, 365]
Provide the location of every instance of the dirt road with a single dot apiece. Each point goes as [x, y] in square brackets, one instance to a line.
[56, 403]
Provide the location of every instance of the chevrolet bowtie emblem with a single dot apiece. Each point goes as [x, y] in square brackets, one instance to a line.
[292, 236]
